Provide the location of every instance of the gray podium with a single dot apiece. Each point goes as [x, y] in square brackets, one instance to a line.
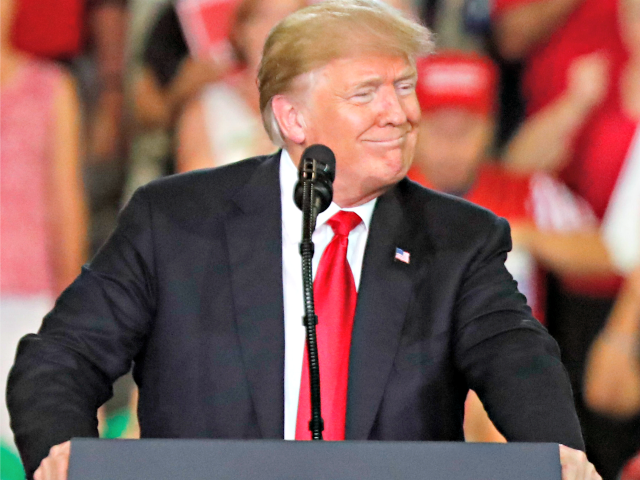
[93, 459]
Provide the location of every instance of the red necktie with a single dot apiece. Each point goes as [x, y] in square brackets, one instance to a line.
[335, 301]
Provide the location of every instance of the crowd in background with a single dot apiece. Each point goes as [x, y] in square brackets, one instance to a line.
[531, 109]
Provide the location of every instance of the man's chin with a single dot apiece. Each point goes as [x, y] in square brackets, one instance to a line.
[396, 158]
[394, 171]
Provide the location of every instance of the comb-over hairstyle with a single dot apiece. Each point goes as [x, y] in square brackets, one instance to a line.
[314, 36]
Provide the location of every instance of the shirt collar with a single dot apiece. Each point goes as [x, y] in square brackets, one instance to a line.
[292, 216]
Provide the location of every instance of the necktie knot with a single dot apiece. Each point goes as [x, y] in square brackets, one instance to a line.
[343, 222]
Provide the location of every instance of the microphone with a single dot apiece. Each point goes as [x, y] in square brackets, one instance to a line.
[313, 195]
[318, 166]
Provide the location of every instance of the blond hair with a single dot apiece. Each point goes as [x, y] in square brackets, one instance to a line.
[314, 36]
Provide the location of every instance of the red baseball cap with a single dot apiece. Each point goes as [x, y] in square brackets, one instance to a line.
[457, 79]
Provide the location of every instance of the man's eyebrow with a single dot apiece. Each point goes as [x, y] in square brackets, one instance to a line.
[409, 73]
[369, 82]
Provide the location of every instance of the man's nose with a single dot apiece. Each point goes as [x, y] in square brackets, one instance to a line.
[392, 108]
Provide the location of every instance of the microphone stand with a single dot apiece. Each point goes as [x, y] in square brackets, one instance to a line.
[310, 319]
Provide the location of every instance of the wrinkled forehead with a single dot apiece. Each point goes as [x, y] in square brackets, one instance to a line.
[371, 67]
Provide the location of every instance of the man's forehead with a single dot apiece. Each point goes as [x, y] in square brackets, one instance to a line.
[350, 71]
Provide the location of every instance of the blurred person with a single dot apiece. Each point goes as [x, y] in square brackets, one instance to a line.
[467, 25]
[604, 155]
[458, 24]
[223, 124]
[96, 28]
[546, 140]
[457, 94]
[200, 260]
[170, 76]
[42, 210]
[88, 37]
[537, 41]
[612, 375]
[548, 35]
[595, 167]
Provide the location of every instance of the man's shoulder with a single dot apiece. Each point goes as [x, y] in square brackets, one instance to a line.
[422, 200]
[212, 186]
[450, 220]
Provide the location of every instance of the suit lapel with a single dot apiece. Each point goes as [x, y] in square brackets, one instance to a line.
[254, 238]
[383, 301]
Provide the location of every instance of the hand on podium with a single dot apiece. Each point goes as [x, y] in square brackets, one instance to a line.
[576, 466]
[56, 464]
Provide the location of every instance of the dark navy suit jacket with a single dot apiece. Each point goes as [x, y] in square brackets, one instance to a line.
[189, 288]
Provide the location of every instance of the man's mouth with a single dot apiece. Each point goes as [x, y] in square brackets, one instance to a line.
[390, 142]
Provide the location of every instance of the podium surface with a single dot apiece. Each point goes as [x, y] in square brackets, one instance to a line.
[160, 459]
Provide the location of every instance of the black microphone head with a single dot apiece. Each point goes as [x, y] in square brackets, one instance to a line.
[326, 160]
[318, 166]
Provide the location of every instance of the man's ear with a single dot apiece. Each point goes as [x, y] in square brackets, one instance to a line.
[290, 118]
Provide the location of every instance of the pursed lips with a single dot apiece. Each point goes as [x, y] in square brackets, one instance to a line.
[390, 142]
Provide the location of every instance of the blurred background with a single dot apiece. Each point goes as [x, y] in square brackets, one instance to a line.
[531, 108]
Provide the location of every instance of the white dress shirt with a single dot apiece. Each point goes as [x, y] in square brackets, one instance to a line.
[294, 331]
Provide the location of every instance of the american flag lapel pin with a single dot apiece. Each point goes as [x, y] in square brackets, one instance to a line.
[402, 255]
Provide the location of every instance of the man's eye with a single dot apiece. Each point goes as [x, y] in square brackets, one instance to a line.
[406, 87]
[363, 96]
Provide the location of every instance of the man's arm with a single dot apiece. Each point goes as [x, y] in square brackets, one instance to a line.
[520, 29]
[511, 361]
[545, 140]
[612, 376]
[65, 372]
[507, 356]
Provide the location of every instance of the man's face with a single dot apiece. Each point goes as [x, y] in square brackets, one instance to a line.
[364, 109]
[451, 146]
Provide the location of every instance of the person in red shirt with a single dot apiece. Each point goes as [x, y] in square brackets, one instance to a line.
[560, 43]
[548, 35]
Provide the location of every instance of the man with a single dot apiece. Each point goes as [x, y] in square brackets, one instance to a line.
[200, 283]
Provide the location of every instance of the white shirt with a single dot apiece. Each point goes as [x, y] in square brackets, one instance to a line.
[294, 331]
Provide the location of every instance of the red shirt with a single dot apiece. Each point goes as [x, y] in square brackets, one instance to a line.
[600, 154]
[504, 193]
[52, 29]
[592, 26]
